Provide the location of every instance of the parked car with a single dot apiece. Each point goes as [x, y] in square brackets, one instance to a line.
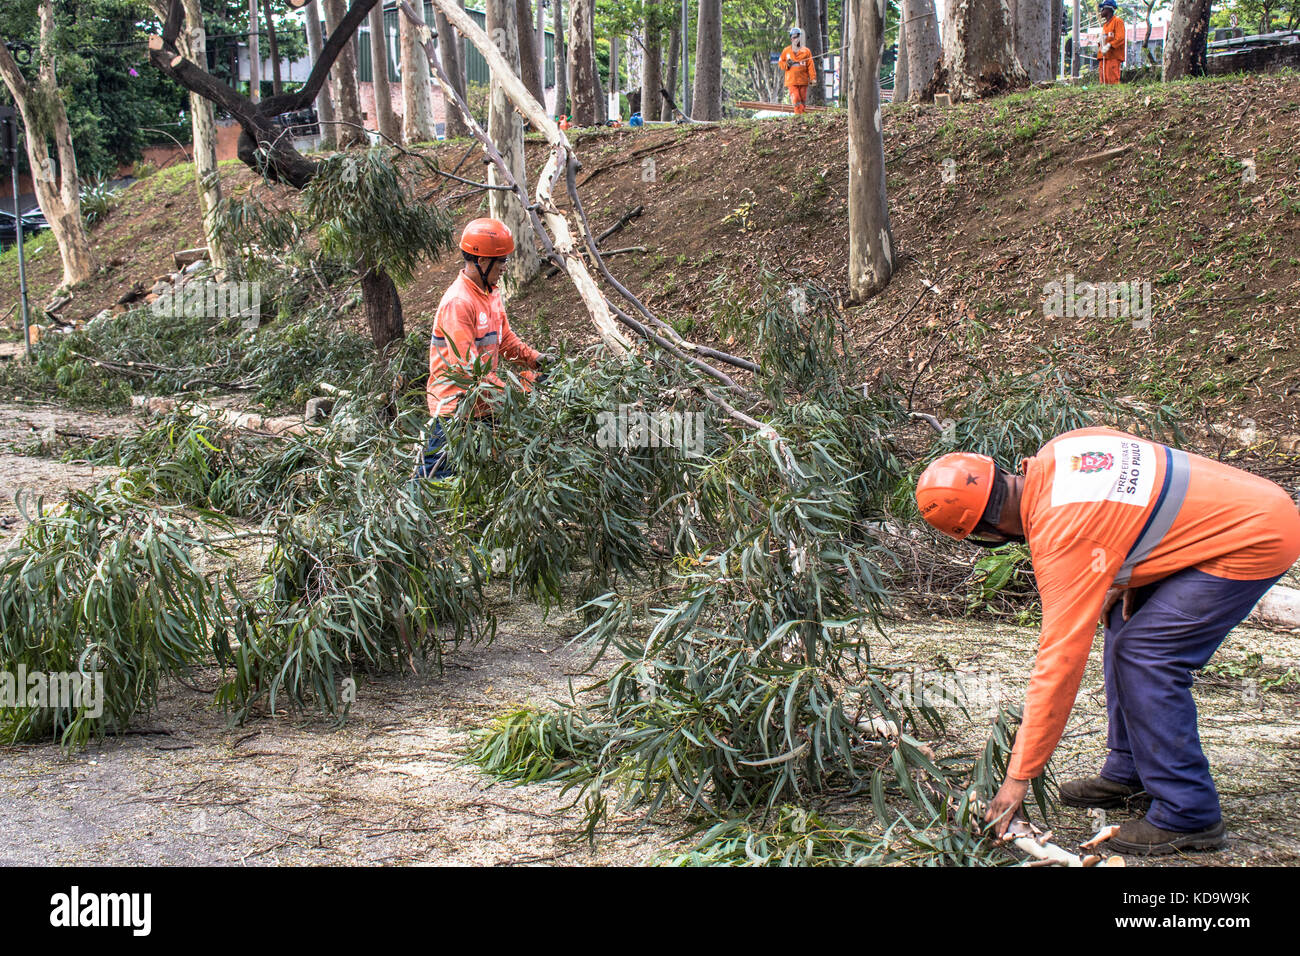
[33, 222]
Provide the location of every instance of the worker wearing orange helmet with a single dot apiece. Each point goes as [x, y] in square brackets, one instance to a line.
[1110, 52]
[800, 70]
[471, 327]
[1190, 545]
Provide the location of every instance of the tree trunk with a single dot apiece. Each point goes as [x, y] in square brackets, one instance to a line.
[1185, 40]
[706, 99]
[1032, 36]
[1058, 7]
[923, 52]
[979, 58]
[615, 79]
[385, 119]
[506, 129]
[901, 78]
[276, 86]
[44, 118]
[383, 308]
[351, 127]
[324, 99]
[418, 125]
[193, 43]
[652, 64]
[449, 51]
[871, 256]
[561, 59]
[582, 63]
[530, 66]
[254, 54]
[809, 20]
[670, 81]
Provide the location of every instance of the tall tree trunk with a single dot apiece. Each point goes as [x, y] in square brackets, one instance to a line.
[871, 254]
[418, 125]
[449, 50]
[652, 65]
[383, 308]
[901, 78]
[561, 59]
[276, 86]
[923, 52]
[706, 100]
[809, 20]
[1032, 36]
[979, 57]
[582, 63]
[351, 127]
[615, 78]
[674, 58]
[530, 66]
[324, 99]
[1058, 7]
[506, 129]
[44, 117]
[1185, 39]
[194, 45]
[254, 54]
[385, 119]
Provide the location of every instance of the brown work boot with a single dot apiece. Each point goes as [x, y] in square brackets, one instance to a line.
[1146, 839]
[1103, 793]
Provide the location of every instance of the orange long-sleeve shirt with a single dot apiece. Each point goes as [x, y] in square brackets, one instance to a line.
[470, 325]
[1104, 509]
[802, 70]
[1112, 33]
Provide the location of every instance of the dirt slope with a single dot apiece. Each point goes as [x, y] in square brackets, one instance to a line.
[1178, 209]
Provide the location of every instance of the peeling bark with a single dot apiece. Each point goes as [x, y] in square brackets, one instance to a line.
[871, 254]
[351, 131]
[417, 95]
[923, 52]
[979, 58]
[1184, 53]
[58, 190]
[582, 63]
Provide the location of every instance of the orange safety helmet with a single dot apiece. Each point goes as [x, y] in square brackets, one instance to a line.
[487, 237]
[954, 491]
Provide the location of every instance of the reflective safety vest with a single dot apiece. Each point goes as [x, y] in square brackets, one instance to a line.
[1105, 509]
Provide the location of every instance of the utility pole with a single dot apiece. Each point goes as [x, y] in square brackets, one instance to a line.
[9, 154]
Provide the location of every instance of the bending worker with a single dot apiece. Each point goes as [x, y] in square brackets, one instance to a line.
[1110, 53]
[1189, 544]
[471, 326]
[797, 62]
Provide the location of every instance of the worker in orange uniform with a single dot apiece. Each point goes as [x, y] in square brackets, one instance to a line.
[800, 71]
[471, 326]
[1189, 544]
[1110, 53]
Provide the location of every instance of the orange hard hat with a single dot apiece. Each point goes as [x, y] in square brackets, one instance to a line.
[487, 237]
[953, 492]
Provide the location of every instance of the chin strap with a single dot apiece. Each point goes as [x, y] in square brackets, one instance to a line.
[482, 276]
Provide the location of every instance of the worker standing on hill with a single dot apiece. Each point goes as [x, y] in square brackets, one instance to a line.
[1189, 544]
[1110, 53]
[800, 71]
[471, 327]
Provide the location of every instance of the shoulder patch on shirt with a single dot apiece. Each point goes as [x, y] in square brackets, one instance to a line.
[1104, 468]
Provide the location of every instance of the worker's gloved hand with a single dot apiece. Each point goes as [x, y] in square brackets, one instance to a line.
[545, 359]
[1005, 805]
[1105, 48]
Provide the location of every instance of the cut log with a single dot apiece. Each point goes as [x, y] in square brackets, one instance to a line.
[1101, 157]
[183, 257]
[778, 107]
[1280, 607]
[276, 427]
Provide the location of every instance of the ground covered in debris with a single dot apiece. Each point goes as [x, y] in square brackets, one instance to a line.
[1024, 203]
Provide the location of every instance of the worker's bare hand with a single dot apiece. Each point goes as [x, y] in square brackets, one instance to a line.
[1006, 805]
[1112, 596]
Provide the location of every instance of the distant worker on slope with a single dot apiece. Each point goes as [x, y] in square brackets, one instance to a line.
[1110, 54]
[800, 71]
[471, 326]
[1189, 544]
